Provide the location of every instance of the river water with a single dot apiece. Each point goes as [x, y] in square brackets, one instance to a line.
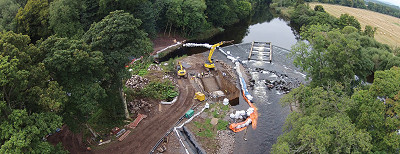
[263, 27]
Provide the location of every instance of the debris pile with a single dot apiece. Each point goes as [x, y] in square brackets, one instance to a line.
[229, 73]
[137, 105]
[136, 82]
[154, 67]
[166, 76]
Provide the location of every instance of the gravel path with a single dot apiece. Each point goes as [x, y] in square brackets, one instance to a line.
[226, 140]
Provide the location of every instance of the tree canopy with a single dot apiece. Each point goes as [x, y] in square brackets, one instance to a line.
[64, 18]
[337, 112]
[33, 19]
[117, 36]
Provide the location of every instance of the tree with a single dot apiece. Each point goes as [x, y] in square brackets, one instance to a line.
[369, 31]
[347, 20]
[193, 16]
[23, 132]
[147, 14]
[379, 116]
[78, 70]
[7, 14]
[321, 123]
[117, 36]
[221, 12]
[334, 56]
[29, 99]
[243, 9]
[27, 83]
[33, 19]
[319, 8]
[89, 13]
[64, 18]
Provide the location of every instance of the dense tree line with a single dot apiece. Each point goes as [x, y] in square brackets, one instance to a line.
[62, 61]
[381, 8]
[337, 112]
[70, 18]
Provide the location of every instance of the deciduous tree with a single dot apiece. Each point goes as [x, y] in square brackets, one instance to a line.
[33, 19]
[65, 17]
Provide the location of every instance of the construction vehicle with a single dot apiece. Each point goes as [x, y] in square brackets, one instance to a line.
[209, 63]
[199, 96]
[181, 72]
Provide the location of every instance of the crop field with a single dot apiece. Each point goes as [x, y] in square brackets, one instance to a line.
[388, 27]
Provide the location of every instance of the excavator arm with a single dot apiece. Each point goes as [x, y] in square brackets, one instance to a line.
[214, 47]
[179, 63]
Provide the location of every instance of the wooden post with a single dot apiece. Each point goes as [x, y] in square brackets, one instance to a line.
[270, 52]
[251, 50]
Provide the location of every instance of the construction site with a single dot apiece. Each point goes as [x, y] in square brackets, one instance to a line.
[215, 103]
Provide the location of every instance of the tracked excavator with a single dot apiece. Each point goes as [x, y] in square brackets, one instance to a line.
[209, 64]
[181, 72]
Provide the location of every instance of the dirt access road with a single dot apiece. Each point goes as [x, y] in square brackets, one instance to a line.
[150, 130]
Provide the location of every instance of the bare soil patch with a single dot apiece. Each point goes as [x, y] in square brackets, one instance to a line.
[71, 142]
[388, 27]
[162, 41]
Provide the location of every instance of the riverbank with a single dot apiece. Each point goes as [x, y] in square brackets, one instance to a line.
[162, 41]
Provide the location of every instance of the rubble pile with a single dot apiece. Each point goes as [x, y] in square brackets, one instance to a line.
[228, 71]
[136, 82]
[154, 67]
[170, 78]
[137, 105]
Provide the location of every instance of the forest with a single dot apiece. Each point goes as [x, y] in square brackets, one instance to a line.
[369, 5]
[62, 61]
[339, 112]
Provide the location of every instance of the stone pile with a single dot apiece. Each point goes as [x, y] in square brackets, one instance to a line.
[137, 105]
[282, 85]
[283, 82]
[136, 82]
[154, 67]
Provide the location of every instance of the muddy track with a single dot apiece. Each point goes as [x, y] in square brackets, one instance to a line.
[142, 139]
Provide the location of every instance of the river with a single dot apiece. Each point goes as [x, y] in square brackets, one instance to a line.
[263, 27]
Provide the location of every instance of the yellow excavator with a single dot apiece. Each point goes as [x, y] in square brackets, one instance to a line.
[209, 63]
[181, 72]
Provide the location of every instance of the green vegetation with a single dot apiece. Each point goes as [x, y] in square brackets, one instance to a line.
[159, 90]
[218, 110]
[337, 48]
[139, 67]
[208, 130]
[204, 128]
[337, 114]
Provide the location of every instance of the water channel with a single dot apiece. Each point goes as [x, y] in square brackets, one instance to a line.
[263, 27]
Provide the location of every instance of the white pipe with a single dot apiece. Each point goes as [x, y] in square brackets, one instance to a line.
[206, 45]
[169, 103]
[177, 43]
[187, 121]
